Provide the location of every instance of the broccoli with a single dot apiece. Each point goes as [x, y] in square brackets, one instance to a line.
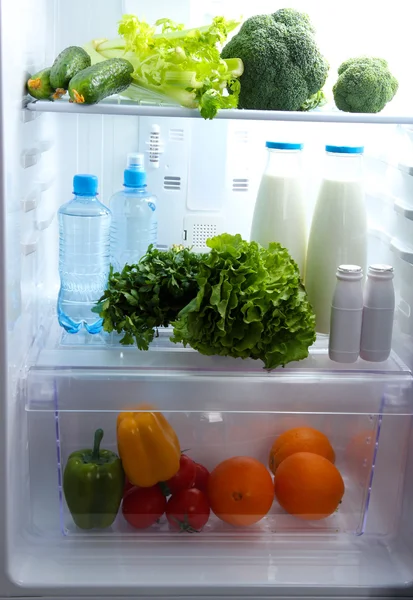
[365, 85]
[283, 67]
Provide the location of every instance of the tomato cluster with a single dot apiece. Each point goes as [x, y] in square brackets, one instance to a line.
[187, 508]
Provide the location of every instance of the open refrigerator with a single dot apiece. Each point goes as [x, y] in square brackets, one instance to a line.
[56, 389]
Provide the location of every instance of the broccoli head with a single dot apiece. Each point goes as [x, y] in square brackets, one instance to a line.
[283, 66]
[365, 85]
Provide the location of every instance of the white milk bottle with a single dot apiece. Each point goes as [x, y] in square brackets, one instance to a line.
[378, 314]
[339, 228]
[346, 315]
[279, 214]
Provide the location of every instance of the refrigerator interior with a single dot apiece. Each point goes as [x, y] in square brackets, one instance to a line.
[61, 388]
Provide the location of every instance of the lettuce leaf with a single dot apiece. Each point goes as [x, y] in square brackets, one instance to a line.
[250, 304]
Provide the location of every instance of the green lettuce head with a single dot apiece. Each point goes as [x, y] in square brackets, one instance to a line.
[251, 304]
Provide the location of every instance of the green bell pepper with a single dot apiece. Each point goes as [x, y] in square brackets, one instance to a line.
[93, 483]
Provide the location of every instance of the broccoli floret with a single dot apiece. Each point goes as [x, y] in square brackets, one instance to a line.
[365, 85]
[292, 18]
[283, 66]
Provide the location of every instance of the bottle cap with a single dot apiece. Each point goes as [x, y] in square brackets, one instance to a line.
[85, 185]
[135, 174]
[283, 146]
[345, 149]
[349, 272]
[381, 271]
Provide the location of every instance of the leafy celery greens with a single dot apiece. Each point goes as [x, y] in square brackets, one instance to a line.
[176, 64]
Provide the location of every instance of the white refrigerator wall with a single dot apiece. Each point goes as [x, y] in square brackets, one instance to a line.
[206, 178]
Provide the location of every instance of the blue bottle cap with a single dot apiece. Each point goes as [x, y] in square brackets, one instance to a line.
[283, 146]
[85, 185]
[135, 174]
[345, 149]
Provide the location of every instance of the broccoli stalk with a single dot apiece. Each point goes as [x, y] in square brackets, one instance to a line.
[283, 67]
[365, 85]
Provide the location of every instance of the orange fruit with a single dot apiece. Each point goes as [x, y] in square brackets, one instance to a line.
[240, 491]
[308, 486]
[300, 439]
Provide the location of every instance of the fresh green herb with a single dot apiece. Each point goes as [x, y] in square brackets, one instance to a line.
[149, 294]
[251, 304]
[175, 64]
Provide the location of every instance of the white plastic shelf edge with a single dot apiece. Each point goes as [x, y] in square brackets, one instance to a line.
[124, 108]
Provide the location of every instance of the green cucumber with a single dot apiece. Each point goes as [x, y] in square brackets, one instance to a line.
[67, 64]
[101, 80]
[39, 85]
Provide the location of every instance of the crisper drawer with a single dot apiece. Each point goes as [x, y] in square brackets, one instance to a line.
[219, 416]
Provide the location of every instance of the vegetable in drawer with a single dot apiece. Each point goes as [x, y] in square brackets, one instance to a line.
[93, 483]
[100, 81]
[148, 446]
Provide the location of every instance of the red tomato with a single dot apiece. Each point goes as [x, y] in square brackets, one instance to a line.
[142, 507]
[183, 480]
[188, 510]
[201, 478]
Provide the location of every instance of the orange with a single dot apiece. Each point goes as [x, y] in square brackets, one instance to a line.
[308, 486]
[240, 491]
[300, 439]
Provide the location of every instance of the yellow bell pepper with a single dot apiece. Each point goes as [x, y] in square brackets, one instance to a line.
[148, 447]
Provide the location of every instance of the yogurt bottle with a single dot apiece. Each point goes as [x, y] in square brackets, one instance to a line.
[378, 314]
[346, 315]
[279, 214]
[339, 228]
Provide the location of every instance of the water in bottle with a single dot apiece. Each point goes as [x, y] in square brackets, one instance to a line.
[84, 254]
[134, 224]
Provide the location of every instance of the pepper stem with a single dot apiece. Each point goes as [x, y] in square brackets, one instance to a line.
[96, 444]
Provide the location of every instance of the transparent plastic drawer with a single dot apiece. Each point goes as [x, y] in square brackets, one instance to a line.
[219, 416]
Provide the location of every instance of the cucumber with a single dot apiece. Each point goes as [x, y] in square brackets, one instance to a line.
[101, 80]
[39, 85]
[67, 64]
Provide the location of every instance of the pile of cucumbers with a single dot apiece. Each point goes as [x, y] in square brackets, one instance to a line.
[72, 71]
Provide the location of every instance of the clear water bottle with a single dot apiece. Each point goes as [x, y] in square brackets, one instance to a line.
[134, 222]
[84, 253]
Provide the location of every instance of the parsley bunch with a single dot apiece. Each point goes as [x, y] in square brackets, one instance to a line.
[149, 294]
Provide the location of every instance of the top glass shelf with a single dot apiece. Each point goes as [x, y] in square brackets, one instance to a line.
[115, 106]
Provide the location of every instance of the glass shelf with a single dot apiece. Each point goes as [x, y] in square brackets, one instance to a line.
[63, 350]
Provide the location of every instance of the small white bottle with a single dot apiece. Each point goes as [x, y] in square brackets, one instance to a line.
[378, 314]
[346, 315]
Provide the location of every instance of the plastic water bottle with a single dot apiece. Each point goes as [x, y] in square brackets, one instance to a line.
[134, 223]
[84, 253]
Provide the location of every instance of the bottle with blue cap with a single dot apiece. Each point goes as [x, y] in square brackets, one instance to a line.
[338, 232]
[84, 253]
[134, 220]
[279, 214]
